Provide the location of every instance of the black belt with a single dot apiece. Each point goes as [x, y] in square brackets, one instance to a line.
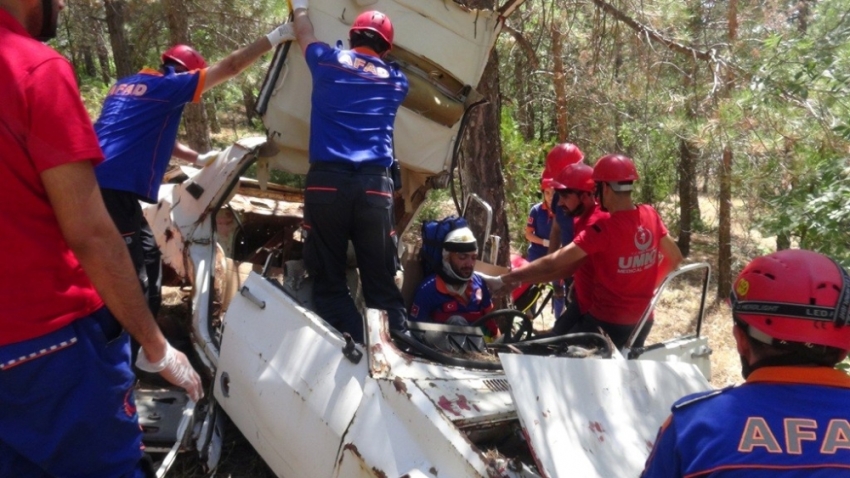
[349, 168]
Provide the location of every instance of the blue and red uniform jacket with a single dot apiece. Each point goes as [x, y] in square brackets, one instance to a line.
[354, 104]
[782, 422]
[137, 128]
[433, 302]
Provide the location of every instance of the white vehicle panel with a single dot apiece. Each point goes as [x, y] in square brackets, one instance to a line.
[291, 391]
[692, 350]
[457, 39]
[595, 417]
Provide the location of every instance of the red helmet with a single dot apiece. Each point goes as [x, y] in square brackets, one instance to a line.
[795, 296]
[186, 56]
[615, 168]
[578, 177]
[546, 183]
[561, 156]
[375, 21]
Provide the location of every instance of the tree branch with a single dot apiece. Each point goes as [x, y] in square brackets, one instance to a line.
[524, 45]
[653, 34]
[509, 7]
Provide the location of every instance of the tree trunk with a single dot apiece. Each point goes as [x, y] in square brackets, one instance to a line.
[559, 82]
[210, 109]
[724, 235]
[724, 258]
[115, 10]
[482, 154]
[88, 62]
[249, 101]
[686, 162]
[103, 60]
[195, 115]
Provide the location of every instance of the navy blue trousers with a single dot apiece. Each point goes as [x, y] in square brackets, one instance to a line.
[341, 204]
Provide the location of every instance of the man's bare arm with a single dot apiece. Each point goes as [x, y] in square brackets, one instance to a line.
[671, 258]
[559, 265]
[184, 152]
[235, 63]
[92, 236]
[304, 29]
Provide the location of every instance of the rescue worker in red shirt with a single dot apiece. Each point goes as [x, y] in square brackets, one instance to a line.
[456, 295]
[558, 230]
[791, 323]
[630, 253]
[575, 188]
[70, 300]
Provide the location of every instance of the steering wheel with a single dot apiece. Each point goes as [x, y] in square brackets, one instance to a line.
[568, 345]
[525, 329]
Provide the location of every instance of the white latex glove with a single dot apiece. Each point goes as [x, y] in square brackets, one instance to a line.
[296, 4]
[284, 32]
[545, 242]
[494, 283]
[208, 158]
[175, 368]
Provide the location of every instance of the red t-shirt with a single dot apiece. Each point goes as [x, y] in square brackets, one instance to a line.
[43, 124]
[583, 277]
[623, 253]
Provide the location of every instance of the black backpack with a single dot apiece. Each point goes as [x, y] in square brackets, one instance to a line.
[433, 235]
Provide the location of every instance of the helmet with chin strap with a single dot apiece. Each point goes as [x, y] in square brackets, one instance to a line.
[617, 170]
[460, 240]
[794, 296]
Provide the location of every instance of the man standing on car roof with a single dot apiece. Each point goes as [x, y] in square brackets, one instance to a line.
[137, 130]
[630, 253]
[791, 323]
[66, 386]
[349, 193]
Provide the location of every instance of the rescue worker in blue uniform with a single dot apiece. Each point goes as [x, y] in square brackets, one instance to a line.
[137, 131]
[349, 190]
[455, 295]
[789, 419]
[537, 232]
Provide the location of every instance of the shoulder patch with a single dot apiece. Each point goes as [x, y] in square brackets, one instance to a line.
[698, 397]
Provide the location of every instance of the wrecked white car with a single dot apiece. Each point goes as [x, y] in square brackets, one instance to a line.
[442, 403]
